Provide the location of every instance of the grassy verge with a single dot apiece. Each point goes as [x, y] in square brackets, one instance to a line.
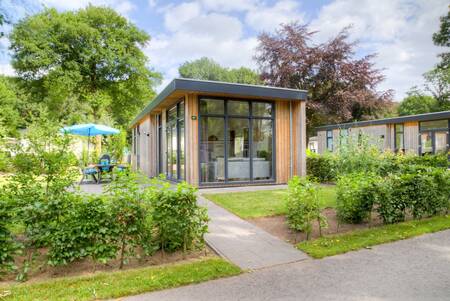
[342, 243]
[122, 283]
[265, 202]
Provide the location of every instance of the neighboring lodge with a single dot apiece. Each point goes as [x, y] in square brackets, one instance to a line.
[217, 134]
[419, 134]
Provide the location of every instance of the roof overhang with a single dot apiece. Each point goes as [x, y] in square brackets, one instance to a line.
[401, 119]
[180, 86]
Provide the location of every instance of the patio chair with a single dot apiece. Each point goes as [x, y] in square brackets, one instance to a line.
[105, 166]
[89, 171]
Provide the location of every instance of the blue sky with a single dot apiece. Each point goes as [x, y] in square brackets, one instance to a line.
[399, 31]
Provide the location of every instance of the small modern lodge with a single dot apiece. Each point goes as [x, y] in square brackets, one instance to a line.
[418, 134]
[221, 134]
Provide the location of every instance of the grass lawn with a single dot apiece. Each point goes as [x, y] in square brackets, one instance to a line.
[265, 202]
[122, 283]
[342, 243]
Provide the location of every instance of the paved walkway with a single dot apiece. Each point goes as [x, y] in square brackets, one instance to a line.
[244, 244]
[413, 269]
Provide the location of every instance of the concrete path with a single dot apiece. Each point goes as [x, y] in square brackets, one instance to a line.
[244, 244]
[413, 269]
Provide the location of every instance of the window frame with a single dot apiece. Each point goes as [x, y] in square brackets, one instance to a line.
[169, 123]
[226, 118]
[402, 132]
[328, 138]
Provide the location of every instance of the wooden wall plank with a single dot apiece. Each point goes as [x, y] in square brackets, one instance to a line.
[191, 138]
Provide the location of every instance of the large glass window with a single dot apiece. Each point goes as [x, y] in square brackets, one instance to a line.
[238, 149]
[330, 140]
[175, 142]
[434, 136]
[399, 138]
[434, 125]
[262, 153]
[212, 149]
[237, 144]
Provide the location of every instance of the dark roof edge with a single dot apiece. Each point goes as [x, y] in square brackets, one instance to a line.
[205, 86]
[418, 117]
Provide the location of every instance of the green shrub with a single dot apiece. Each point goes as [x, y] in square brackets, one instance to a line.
[421, 194]
[303, 206]
[355, 196]
[87, 230]
[8, 245]
[130, 213]
[180, 223]
[321, 168]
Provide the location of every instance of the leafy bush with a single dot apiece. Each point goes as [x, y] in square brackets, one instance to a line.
[179, 221]
[303, 206]
[421, 194]
[130, 212]
[8, 246]
[355, 197]
[321, 168]
[87, 230]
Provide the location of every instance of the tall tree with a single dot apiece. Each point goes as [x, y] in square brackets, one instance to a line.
[207, 69]
[10, 119]
[416, 102]
[438, 79]
[340, 87]
[85, 64]
[442, 38]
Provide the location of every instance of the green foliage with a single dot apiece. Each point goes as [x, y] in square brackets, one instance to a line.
[113, 285]
[417, 103]
[8, 245]
[442, 38]
[421, 194]
[321, 167]
[337, 244]
[10, 119]
[85, 230]
[303, 206]
[84, 64]
[179, 221]
[131, 215]
[420, 191]
[355, 197]
[116, 145]
[207, 69]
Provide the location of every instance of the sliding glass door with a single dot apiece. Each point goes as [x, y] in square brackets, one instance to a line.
[236, 141]
[175, 142]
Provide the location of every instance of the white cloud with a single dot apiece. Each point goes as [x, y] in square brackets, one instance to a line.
[176, 16]
[399, 31]
[229, 5]
[268, 18]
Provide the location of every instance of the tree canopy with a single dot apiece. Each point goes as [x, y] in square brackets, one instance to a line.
[83, 65]
[341, 87]
[417, 103]
[207, 69]
[9, 114]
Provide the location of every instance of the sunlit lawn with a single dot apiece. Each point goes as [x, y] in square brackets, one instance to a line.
[342, 243]
[107, 285]
[265, 202]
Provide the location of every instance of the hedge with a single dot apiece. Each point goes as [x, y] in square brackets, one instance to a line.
[422, 193]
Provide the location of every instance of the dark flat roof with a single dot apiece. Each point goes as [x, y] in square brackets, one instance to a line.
[205, 86]
[401, 119]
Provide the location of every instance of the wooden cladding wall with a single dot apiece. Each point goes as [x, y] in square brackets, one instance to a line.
[283, 140]
[191, 139]
[411, 132]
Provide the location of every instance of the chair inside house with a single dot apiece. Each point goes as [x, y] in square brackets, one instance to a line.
[105, 167]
